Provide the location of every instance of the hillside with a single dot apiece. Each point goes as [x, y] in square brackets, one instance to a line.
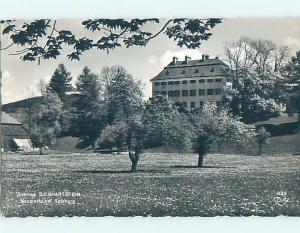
[19, 109]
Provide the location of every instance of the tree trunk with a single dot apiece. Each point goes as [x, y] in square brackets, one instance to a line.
[259, 149]
[41, 150]
[134, 157]
[200, 160]
[133, 166]
[219, 145]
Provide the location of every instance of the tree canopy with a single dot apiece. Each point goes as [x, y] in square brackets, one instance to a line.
[291, 87]
[256, 91]
[41, 39]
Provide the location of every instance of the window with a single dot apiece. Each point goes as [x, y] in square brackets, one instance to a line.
[201, 104]
[192, 81]
[210, 80]
[184, 82]
[212, 69]
[218, 103]
[163, 83]
[156, 84]
[163, 93]
[176, 93]
[196, 71]
[170, 93]
[202, 81]
[184, 104]
[177, 82]
[183, 71]
[185, 92]
[192, 92]
[210, 91]
[201, 92]
[218, 80]
[218, 91]
[193, 104]
[156, 93]
[170, 83]
[167, 72]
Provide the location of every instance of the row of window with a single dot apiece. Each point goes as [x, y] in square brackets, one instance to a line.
[201, 103]
[212, 69]
[201, 92]
[217, 80]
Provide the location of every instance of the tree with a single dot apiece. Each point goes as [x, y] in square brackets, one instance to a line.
[158, 123]
[41, 39]
[262, 136]
[114, 136]
[165, 125]
[123, 94]
[60, 82]
[124, 103]
[256, 91]
[291, 72]
[212, 126]
[89, 114]
[46, 128]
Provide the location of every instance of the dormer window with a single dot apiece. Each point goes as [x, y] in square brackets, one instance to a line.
[196, 71]
[183, 72]
[167, 72]
[212, 69]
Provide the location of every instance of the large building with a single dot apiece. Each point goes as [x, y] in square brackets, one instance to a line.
[193, 82]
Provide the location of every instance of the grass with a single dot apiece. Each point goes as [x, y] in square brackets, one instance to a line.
[165, 185]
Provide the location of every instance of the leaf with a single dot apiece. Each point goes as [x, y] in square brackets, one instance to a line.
[8, 29]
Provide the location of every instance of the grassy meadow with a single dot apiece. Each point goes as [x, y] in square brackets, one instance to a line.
[164, 185]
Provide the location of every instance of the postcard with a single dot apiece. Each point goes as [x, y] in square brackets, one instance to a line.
[150, 117]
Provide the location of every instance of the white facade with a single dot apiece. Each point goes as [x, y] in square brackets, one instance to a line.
[193, 82]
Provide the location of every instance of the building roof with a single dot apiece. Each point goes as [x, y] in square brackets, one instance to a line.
[194, 68]
[9, 120]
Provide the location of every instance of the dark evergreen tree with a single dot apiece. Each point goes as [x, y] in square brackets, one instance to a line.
[89, 113]
[60, 82]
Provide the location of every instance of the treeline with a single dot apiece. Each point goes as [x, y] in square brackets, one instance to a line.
[108, 110]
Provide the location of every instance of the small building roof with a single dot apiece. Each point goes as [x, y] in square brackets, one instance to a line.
[9, 120]
[194, 68]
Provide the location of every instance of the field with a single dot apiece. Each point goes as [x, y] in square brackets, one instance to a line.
[165, 185]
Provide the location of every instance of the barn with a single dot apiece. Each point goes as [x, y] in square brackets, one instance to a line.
[14, 134]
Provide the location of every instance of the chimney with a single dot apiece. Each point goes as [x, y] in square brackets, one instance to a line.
[217, 57]
[203, 57]
[206, 57]
[175, 59]
[186, 59]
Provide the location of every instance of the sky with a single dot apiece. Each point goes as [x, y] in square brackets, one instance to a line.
[142, 62]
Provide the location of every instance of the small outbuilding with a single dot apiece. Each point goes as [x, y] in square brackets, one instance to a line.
[14, 135]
